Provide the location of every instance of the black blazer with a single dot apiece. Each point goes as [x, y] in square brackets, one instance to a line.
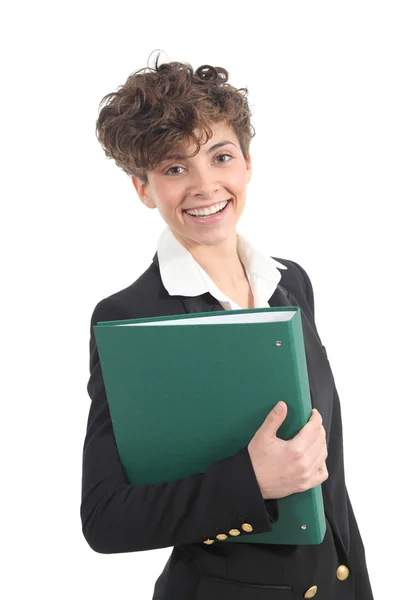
[122, 517]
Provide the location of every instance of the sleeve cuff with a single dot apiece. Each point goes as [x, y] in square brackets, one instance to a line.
[272, 508]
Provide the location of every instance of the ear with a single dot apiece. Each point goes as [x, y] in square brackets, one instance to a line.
[142, 192]
[248, 167]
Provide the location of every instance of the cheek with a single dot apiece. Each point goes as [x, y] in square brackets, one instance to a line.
[172, 203]
[167, 200]
[238, 180]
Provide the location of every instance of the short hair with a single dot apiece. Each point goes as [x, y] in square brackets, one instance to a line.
[159, 108]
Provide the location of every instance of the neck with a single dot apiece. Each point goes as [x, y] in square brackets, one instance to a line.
[221, 263]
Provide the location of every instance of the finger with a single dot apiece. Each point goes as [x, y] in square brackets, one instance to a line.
[306, 436]
[320, 462]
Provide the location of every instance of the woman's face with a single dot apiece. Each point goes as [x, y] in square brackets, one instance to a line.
[214, 175]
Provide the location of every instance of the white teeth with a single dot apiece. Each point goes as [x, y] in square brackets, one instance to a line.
[208, 211]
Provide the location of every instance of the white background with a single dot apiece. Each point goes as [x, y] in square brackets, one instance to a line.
[323, 82]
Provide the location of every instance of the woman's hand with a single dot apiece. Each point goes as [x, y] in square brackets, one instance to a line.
[286, 467]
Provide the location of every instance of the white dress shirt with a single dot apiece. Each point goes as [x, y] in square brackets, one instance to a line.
[183, 276]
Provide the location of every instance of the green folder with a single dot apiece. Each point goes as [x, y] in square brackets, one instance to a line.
[187, 390]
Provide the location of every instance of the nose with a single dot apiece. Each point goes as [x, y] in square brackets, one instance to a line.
[204, 182]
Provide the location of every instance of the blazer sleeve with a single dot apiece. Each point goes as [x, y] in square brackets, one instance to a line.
[118, 516]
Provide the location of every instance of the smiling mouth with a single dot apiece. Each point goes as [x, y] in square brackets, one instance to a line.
[215, 213]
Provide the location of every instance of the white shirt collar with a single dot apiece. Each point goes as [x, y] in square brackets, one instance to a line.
[183, 276]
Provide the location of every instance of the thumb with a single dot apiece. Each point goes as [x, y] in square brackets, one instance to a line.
[276, 417]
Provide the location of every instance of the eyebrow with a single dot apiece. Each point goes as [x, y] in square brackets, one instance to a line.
[214, 147]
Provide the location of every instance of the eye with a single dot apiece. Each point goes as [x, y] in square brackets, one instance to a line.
[167, 172]
[225, 154]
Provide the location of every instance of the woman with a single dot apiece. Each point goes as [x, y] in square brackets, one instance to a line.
[183, 138]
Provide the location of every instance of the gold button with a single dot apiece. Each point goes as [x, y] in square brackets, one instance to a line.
[310, 593]
[234, 532]
[247, 527]
[221, 536]
[208, 542]
[342, 572]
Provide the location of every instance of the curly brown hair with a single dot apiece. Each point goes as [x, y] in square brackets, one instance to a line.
[155, 111]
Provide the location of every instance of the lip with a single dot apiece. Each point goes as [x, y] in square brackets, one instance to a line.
[205, 205]
[210, 220]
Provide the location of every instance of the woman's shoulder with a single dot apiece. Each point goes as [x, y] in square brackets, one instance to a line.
[295, 278]
[145, 297]
[293, 270]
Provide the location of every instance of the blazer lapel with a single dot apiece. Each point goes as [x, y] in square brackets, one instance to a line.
[200, 304]
[207, 303]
